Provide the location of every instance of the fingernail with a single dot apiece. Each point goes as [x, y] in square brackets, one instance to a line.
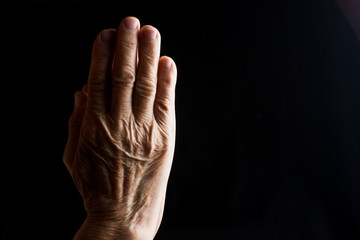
[166, 63]
[131, 23]
[150, 34]
[107, 35]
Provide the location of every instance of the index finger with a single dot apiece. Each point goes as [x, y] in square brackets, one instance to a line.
[100, 70]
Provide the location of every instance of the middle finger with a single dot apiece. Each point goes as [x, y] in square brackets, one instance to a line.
[146, 77]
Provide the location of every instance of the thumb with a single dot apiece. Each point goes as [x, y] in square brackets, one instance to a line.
[75, 123]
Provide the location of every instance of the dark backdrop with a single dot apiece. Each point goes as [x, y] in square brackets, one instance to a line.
[268, 117]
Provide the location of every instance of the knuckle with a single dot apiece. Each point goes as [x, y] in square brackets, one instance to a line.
[147, 75]
[128, 45]
[162, 113]
[99, 70]
[167, 82]
[164, 103]
[146, 80]
[145, 93]
[124, 75]
[96, 86]
[101, 61]
[149, 56]
[98, 77]
[146, 86]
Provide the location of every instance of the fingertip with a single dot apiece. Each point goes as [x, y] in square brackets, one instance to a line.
[150, 33]
[107, 35]
[167, 70]
[130, 23]
[167, 64]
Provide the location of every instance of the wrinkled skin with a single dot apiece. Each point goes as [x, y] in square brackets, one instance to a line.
[122, 134]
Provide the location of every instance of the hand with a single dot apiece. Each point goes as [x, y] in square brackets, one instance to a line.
[122, 134]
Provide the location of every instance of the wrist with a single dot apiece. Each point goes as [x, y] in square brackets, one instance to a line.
[104, 230]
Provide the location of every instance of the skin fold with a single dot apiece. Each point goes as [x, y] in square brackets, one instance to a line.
[122, 134]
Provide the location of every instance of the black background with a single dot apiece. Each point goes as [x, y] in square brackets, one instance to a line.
[268, 117]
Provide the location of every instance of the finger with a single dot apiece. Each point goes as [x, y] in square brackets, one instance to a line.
[85, 89]
[75, 123]
[124, 68]
[146, 78]
[100, 70]
[164, 105]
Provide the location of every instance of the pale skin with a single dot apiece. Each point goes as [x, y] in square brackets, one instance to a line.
[122, 134]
